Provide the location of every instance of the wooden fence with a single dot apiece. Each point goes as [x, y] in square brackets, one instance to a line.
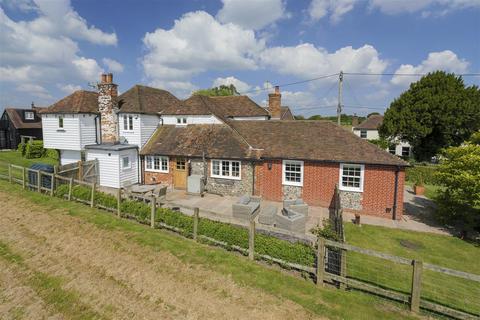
[81, 170]
[322, 272]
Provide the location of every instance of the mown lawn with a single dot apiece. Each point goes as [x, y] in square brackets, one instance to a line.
[15, 157]
[431, 190]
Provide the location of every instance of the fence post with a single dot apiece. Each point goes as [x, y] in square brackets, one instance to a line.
[416, 285]
[92, 200]
[39, 181]
[320, 260]
[52, 184]
[80, 170]
[195, 223]
[153, 202]
[70, 187]
[55, 169]
[119, 201]
[343, 268]
[23, 177]
[251, 240]
[10, 173]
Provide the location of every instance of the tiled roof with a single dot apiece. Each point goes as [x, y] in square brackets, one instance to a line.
[17, 117]
[286, 113]
[80, 101]
[311, 140]
[235, 106]
[371, 123]
[143, 99]
[216, 140]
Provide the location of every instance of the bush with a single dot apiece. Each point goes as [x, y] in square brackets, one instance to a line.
[34, 149]
[232, 235]
[21, 148]
[381, 143]
[52, 154]
[425, 174]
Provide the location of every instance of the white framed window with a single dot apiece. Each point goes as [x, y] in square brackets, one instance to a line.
[405, 151]
[127, 122]
[392, 149]
[363, 134]
[60, 121]
[156, 164]
[29, 115]
[126, 164]
[181, 121]
[351, 177]
[292, 173]
[226, 169]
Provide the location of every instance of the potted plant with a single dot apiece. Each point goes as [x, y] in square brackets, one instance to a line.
[418, 187]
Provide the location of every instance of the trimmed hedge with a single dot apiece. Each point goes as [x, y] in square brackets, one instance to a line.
[21, 148]
[425, 174]
[52, 154]
[298, 253]
[34, 149]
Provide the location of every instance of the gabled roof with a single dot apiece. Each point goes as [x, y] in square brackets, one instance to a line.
[371, 123]
[80, 101]
[311, 140]
[17, 118]
[235, 106]
[286, 113]
[143, 99]
[216, 140]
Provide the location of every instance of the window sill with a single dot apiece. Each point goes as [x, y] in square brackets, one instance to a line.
[226, 178]
[61, 130]
[350, 189]
[293, 184]
[155, 171]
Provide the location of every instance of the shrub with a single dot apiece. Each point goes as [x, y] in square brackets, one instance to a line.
[21, 148]
[425, 174]
[34, 149]
[52, 154]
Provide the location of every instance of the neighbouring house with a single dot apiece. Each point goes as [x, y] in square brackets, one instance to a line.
[15, 123]
[147, 135]
[368, 130]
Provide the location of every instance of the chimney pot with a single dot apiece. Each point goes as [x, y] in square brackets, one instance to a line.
[103, 78]
[109, 78]
[277, 89]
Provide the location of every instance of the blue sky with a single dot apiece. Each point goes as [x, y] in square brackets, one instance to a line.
[49, 48]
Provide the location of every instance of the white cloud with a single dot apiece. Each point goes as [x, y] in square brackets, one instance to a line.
[318, 9]
[445, 60]
[69, 88]
[251, 14]
[307, 61]
[299, 99]
[190, 48]
[113, 65]
[41, 54]
[435, 7]
[239, 85]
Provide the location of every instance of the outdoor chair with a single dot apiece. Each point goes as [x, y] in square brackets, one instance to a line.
[267, 215]
[292, 221]
[296, 205]
[160, 192]
[245, 207]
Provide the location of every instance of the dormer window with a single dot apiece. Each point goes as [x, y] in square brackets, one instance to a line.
[127, 122]
[181, 121]
[29, 115]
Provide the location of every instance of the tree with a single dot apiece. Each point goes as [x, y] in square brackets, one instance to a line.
[436, 112]
[459, 172]
[218, 91]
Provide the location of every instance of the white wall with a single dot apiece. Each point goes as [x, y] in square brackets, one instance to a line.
[128, 176]
[87, 130]
[69, 156]
[250, 118]
[149, 124]
[132, 136]
[108, 166]
[371, 134]
[77, 132]
[192, 119]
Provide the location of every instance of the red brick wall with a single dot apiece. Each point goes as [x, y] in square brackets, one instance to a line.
[319, 183]
[159, 177]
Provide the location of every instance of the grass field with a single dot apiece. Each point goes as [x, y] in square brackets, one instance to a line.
[15, 157]
[431, 190]
[73, 260]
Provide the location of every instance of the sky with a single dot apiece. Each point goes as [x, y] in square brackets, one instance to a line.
[50, 48]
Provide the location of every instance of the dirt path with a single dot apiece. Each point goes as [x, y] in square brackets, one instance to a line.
[115, 277]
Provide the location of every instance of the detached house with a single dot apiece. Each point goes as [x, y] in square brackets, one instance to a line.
[237, 147]
[368, 130]
[15, 123]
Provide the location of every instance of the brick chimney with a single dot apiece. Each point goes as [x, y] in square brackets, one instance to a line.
[274, 103]
[107, 106]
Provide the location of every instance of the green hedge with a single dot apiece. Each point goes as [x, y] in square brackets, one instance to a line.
[298, 253]
[21, 148]
[52, 154]
[34, 149]
[425, 174]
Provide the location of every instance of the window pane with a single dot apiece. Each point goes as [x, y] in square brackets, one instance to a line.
[130, 122]
[216, 167]
[164, 164]
[235, 169]
[148, 162]
[293, 172]
[126, 162]
[405, 151]
[125, 127]
[351, 176]
[225, 168]
[363, 134]
[156, 163]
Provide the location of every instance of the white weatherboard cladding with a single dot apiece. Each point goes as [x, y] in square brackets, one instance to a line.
[149, 124]
[129, 176]
[69, 156]
[77, 132]
[66, 138]
[192, 119]
[371, 134]
[108, 164]
[250, 118]
[110, 167]
[144, 126]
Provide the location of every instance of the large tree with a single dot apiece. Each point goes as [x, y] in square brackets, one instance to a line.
[437, 111]
[218, 91]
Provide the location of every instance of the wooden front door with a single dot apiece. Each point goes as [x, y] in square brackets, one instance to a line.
[180, 174]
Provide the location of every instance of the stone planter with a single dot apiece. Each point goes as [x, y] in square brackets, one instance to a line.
[419, 190]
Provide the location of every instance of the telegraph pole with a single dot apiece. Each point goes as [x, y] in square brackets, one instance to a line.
[339, 106]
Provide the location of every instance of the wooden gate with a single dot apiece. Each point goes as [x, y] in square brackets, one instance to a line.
[81, 170]
[180, 174]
